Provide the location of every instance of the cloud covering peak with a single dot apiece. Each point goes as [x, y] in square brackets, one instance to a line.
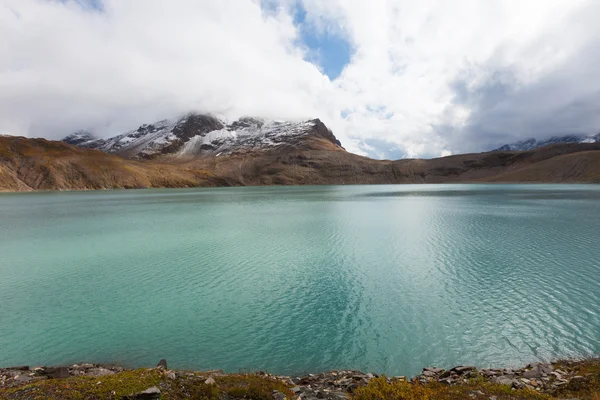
[412, 78]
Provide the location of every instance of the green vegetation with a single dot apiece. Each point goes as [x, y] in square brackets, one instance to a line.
[126, 383]
[381, 389]
[585, 387]
[227, 387]
[259, 387]
[87, 387]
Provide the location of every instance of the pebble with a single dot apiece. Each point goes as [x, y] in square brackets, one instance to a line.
[210, 381]
[152, 393]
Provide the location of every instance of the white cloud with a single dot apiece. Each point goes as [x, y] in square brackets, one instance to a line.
[426, 78]
[66, 66]
[409, 55]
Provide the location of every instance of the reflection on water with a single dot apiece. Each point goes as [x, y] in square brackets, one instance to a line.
[296, 279]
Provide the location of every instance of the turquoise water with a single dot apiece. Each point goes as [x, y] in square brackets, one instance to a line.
[301, 279]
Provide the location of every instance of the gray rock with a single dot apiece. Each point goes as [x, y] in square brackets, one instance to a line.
[162, 364]
[277, 395]
[56, 372]
[434, 370]
[210, 381]
[535, 372]
[490, 372]
[445, 374]
[23, 378]
[504, 380]
[461, 369]
[342, 382]
[20, 368]
[546, 368]
[152, 393]
[518, 384]
[560, 371]
[99, 372]
[538, 370]
[214, 372]
[351, 388]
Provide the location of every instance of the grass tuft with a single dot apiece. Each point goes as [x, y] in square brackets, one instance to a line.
[126, 383]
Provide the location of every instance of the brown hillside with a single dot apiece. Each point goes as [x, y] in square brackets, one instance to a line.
[336, 166]
[39, 164]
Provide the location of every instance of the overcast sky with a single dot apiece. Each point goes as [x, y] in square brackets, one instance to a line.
[391, 78]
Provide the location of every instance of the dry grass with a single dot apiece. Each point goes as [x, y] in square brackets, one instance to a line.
[130, 382]
[259, 387]
[86, 387]
[588, 386]
[38, 164]
[381, 389]
[585, 388]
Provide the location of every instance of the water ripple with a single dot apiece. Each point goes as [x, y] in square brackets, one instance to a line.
[387, 279]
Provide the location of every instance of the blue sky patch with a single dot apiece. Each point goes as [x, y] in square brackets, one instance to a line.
[326, 49]
[382, 149]
[89, 4]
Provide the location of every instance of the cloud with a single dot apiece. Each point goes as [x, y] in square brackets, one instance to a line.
[68, 66]
[423, 78]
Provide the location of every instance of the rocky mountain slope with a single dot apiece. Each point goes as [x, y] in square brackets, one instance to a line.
[196, 135]
[556, 163]
[202, 150]
[38, 164]
[532, 143]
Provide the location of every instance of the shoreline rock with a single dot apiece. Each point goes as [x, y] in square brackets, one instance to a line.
[334, 385]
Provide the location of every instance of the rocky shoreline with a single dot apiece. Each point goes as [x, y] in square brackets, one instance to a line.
[336, 385]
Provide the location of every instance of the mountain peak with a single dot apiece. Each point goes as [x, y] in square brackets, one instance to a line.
[79, 138]
[204, 134]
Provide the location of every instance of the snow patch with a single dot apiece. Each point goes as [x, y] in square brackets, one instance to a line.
[244, 133]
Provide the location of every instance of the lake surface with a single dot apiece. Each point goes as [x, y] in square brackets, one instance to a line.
[302, 279]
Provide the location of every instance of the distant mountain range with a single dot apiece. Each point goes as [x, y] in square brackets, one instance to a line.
[203, 150]
[195, 135]
[532, 143]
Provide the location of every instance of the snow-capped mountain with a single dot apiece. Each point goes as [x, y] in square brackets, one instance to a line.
[201, 134]
[80, 138]
[530, 144]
